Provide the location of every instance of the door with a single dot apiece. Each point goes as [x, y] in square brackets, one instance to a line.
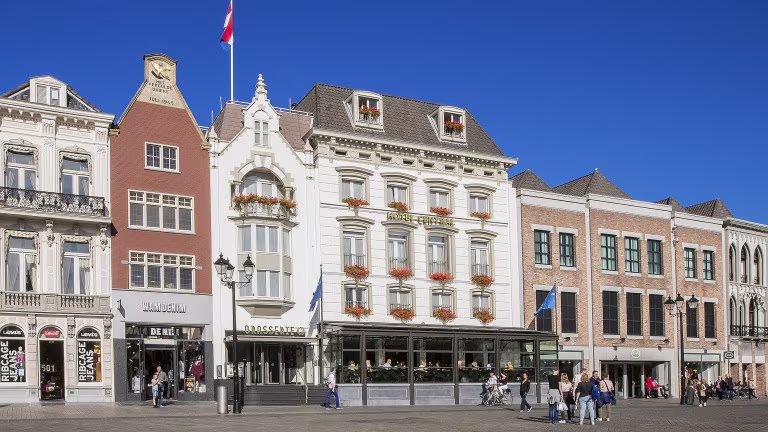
[51, 369]
[616, 374]
[635, 375]
[272, 364]
[293, 360]
[164, 358]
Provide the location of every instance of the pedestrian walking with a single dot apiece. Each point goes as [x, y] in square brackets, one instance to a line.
[525, 387]
[607, 396]
[566, 393]
[553, 397]
[595, 381]
[730, 386]
[701, 391]
[332, 390]
[751, 389]
[153, 384]
[584, 396]
[162, 384]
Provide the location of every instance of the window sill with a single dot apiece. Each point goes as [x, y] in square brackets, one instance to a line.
[569, 335]
[162, 230]
[655, 276]
[689, 339]
[709, 281]
[633, 274]
[658, 338]
[163, 290]
[568, 268]
[265, 307]
[376, 125]
[544, 266]
[635, 337]
[691, 279]
[170, 171]
[610, 336]
[610, 272]
[710, 340]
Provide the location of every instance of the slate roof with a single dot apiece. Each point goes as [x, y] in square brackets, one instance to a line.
[592, 183]
[293, 125]
[529, 180]
[714, 208]
[229, 121]
[19, 93]
[675, 204]
[403, 119]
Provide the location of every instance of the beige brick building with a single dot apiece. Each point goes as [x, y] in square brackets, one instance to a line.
[614, 261]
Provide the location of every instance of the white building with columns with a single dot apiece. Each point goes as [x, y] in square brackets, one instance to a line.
[55, 320]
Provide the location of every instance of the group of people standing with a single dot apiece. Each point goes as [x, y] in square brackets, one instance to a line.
[593, 394]
[725, 388]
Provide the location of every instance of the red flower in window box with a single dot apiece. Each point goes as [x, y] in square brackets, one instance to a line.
[484, 315]
[399, 206]
[239, 200]
[355, 202]
[483, 216]
[483, 281]
[356, 271]
[441, 277]
[451, 126]
[371, 112]
[403, 313]
[357, 311]
[444, 314]
[401, 273]
[288, 203]
[442, 211]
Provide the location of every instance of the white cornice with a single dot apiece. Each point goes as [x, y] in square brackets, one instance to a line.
[42, 109]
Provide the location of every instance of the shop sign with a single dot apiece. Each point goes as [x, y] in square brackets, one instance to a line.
[420, 219]
[11, 331]
[161, 332]
[51, 333]
[729, 355]
[275, 330]
[635, 353]
[12, 359]
[159, 307]
[88, 333]
[86, 361]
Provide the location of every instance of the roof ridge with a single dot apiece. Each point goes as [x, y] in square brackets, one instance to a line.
[387, 95]
[576, 179]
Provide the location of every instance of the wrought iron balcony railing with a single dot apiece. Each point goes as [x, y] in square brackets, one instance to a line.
[437, 266]
[747, 331]
[481, 270]
[274, 211]
[354, 260]
[52, 201]
[398, 263]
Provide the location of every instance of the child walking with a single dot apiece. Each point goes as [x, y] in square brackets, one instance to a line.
[154, 390]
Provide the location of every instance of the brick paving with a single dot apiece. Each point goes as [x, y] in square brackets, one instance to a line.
[634, 415]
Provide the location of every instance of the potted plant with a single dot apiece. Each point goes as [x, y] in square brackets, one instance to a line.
[288, 203]
[441, 211]
[484, 315]
[398, 206]
[401, 273]
[483, 281]
[357, 311]
[369, 113]
[444, 314]
[403, 313]
[441, 277]
[483, 216]
[355, 203]
[452, 127]
[356, 271]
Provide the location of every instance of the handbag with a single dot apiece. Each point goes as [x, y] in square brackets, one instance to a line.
[562, 406]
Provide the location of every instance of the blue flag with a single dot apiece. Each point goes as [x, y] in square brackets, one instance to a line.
[549, 302]
[318, 293]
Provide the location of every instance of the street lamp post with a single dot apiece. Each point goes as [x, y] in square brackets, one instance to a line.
[676, 309]
[226, 272]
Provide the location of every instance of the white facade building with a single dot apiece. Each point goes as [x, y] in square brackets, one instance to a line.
[55, 321]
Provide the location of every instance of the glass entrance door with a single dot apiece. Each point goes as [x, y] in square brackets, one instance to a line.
[616, 374]
[293, 360]
[165, 358]
[51, 369]
[272, 364]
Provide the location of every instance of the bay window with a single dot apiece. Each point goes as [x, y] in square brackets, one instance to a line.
[266, 238]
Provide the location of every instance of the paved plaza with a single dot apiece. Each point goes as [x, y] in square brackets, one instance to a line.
[635, 415]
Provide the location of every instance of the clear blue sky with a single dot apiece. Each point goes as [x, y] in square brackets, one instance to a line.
[664, 97]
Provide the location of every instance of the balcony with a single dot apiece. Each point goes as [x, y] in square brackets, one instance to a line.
[270, 211]
[54, 303]
[354, 260]
[481, 270]
[398, 263]
[52, 202]
[749, 332]
[438, 266]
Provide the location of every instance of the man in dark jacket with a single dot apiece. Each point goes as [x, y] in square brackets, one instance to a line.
[730, 387]
[525, 387]
[595, 381]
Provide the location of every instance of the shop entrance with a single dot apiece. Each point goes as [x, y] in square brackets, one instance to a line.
[629, 378]
[164, 357]
[272, 363]
[51, 369]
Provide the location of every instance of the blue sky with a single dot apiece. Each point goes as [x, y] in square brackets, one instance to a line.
[665, 98]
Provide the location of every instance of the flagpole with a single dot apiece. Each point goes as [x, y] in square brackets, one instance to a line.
[232, 56]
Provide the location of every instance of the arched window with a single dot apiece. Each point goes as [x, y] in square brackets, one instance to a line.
[757, 266]
[734, 315]
[744, 268]
[262, 183]
[732, 263]
[752, 314]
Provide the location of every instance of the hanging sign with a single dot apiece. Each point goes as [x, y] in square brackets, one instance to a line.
[420, 219]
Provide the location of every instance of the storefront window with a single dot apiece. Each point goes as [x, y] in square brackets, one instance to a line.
[192, 367]
[88, 356]
[343, 353]
[547, 358]
[433, 360]
[386, 359]
[516, 358]
[12, 355]
[477, 360]
[133, 348]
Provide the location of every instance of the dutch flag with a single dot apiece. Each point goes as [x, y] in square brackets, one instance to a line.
[227, 37]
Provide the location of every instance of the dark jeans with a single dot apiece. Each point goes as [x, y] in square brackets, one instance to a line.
[524, 403]
[553, 416]
[335, 392]
[751, 393]
[160, 394]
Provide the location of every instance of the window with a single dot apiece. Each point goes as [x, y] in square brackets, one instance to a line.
[161, 271]
[88, 356]
[387, 358]
[354, 248]
[161, 157]
[159, 212]
[656, 314]
[368, 110]
[439, 198]
[568, 312]
[399, 298]
[610, 312]
[541, 247]
[442, 299]
[732, 263]
[267, 283]
[757, 267]
[744, 264]
[453, 124]
[12, 350]
[352, 188]
[21, 264]
[632, 252]
[482, 302]
[74, 176]
[76, 268]
[478, 203]
[48, 95]
[266, 238]
[261, 133]
[709, 265]
[608, 252]
[567, 253]
[709, 321]
[692, 321]
[634, 314]
[397, 249]
[287, 286]
[655, 257]
[20, 170]
[544, 319]
[689, 256]
[397, 193]
[286, 242]
[438, 254]
[355, 296]
[479, 252]
[262, 183]
[244, 238]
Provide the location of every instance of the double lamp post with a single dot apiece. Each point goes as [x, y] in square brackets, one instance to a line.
[226, 272]
[677, 308]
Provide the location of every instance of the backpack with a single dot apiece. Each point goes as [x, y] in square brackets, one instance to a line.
[595, 393]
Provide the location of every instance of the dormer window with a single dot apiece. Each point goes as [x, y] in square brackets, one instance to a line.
[366, 110]
[451, 123]
[48, 95]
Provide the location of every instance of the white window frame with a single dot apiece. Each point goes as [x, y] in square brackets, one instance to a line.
[442, 294]
[161, 158]
[454, 112]
[484, 296]
[475, 198]
[477, 246]
[271, 243]
[48, 93]
[141, 258]
[357, 245]
[21, 168]
[78, 258]
[400, 193]
[354, 103]
[401, 293]
[75, 176]
[395, 239]
[23, 254]
[139, 197]
[353, 180]
[433, 247]
[360, 292]
[261, 133]
[436, 192]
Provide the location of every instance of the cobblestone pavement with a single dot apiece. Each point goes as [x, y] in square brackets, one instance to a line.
[634, 415]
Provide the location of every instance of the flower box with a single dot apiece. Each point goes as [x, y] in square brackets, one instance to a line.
[355, 202]
[242, 199]
[483, 216]
[401, 273]
[482, 281]
[453, 127]
[398, 206]
[442, 211]
[485, 316]
[357, 311]
[402, 313]
[356, 271]
[288, 203]
[441, 277]
[444, 314]
[369, 113]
